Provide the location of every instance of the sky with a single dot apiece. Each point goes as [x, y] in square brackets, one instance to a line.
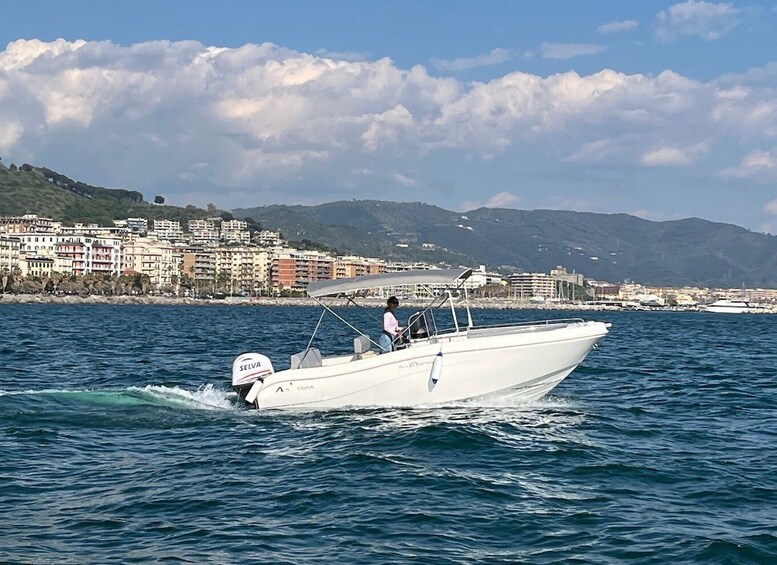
[663, 110]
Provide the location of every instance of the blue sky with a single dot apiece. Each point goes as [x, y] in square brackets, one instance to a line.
[665, 110]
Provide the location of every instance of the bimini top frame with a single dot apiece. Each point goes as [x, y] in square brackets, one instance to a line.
[452, 278]
[449, 277]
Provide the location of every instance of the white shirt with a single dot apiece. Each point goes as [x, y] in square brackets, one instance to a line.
[390, 324]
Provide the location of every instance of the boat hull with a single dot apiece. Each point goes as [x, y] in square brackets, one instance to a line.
[728, 309]
[522, 363]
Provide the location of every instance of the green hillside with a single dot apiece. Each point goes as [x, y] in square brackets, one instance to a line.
[41, 191]
[613, 247]
[366, 227]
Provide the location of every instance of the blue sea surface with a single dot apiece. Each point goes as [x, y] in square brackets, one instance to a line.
[120, 441]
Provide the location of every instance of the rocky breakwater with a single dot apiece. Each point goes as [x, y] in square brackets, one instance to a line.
[92, 299]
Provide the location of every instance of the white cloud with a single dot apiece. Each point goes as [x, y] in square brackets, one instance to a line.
[594, 151]
[569, 50]
[771, 207]
[346, 55]
[757, 165]
[672, 156]
[707, 20]
[10, 133]
[498, 200]
[495, 57]
[404, 180]
[263, 117]
[503, 200]
[613, 27]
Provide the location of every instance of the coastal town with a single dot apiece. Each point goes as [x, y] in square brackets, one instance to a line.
[223, 258]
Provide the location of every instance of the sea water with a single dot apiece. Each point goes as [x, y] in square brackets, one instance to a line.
[120, 441]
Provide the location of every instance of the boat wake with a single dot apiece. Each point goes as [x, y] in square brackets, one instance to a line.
[213, 397]
[206, 397]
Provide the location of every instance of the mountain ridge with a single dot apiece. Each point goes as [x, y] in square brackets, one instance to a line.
[613, 247]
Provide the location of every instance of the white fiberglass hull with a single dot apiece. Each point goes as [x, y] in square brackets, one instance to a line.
[728, 309]
[524, 363]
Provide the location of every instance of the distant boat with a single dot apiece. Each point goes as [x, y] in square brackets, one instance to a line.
[728, 307]
[652, 301]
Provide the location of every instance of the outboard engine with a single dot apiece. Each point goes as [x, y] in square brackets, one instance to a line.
[247, 369]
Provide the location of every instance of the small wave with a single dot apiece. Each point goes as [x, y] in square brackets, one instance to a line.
[30, 392]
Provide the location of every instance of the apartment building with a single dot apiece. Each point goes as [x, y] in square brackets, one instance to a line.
[480, 277]
[40, 267]
[27, 223]
[293, 269]
[153, 258]
[87, 254]
[237, 265]
[10, 248]
[532, 285]
[268, 238]
[37, 243]
[351, 266]
[235, 231]
[262, 270]
[199, 264]
[137, 225]
[168, 230]
[246, 269]
[204, 232]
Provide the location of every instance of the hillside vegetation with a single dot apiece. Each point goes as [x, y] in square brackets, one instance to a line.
[612, 247]
[41, 191]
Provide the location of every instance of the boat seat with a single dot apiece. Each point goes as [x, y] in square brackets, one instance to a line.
[361, 344]
[361, 348]
[306, 360]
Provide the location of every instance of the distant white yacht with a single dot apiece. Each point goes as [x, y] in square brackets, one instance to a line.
[728, 307]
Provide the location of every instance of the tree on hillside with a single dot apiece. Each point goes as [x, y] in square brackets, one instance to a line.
[159, 199]
[253, 225]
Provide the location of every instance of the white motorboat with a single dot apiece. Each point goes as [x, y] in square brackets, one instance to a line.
[432, 366]
[728, 307]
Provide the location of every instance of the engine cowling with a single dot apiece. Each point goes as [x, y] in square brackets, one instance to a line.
[247, 369]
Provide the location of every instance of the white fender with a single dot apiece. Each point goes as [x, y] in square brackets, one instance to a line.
[436, 368]
[254, 392]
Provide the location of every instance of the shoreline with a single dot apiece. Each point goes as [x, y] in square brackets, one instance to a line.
[476, 303]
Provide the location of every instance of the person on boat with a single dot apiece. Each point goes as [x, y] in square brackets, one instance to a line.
[391, 328]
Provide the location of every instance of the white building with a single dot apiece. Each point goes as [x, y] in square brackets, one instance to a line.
[137, 225]
[168, 230]
[153, 258]
[268, 238]
[28, 223]
[246, 267]
[10, 247]
[235, 231]
[86, 254]
[532, 285]
[38, 244]
[480, 277]
[203, 231]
